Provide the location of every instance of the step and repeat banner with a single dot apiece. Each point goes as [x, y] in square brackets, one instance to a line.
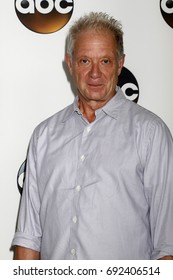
[34, 83]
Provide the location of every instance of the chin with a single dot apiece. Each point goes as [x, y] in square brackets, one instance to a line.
[96, 94]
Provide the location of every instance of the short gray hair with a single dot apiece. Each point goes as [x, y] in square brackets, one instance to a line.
[97, 21]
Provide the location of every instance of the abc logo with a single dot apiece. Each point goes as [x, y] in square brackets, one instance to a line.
[166, 7]
[128, 83]
[44, 16]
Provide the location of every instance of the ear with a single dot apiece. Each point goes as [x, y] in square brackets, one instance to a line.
[121, 63]
[69, 63]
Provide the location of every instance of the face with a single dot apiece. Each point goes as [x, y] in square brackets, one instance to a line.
[95, 66]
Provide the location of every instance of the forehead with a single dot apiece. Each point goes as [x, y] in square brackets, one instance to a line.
[92, 40]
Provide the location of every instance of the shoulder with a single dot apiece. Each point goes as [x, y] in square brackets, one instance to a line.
[54, 121]
[150, 130]
[132, 113]
[142, 116]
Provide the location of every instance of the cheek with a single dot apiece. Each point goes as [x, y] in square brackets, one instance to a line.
[112, 77]
[80, 79]
[80, 73]
[111, 82]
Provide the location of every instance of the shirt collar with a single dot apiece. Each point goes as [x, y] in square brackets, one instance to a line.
[111, 108]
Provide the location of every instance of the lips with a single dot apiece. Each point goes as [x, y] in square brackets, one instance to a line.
[95, 85]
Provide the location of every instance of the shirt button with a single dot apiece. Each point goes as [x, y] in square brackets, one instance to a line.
[82, 158]
[73, 252]
[74, 219]
[78, 188]
[88, 129]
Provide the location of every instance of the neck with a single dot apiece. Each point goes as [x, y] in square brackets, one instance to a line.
[87, 111]
[88, 108]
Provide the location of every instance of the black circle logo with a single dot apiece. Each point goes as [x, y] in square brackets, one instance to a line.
[166, 7]
[21, 177]
[44, 16]
[129, 85]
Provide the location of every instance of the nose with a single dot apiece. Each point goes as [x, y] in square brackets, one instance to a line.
[95, 71]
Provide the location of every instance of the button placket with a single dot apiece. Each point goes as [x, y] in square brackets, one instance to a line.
[84, 138]
[75, 220]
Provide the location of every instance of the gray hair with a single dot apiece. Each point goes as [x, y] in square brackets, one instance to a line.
[97, 21]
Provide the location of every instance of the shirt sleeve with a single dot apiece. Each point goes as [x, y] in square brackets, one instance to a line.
[28, 233]
[158, 184]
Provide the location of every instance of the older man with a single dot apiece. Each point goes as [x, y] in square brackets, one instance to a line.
[99, 181]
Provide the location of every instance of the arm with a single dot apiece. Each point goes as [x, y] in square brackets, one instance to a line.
[27, 238]
[159, 192]
[22, 253]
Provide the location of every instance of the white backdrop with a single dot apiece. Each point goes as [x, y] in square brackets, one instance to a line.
[33, 84]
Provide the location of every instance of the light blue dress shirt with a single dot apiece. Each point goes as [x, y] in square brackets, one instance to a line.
[100, 190]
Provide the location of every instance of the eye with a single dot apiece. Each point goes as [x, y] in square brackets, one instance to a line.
[105, 61]
[84, 61]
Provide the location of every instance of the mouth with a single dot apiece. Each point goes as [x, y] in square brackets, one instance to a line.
[95, 85]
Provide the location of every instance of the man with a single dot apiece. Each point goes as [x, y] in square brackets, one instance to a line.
[99, 181]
